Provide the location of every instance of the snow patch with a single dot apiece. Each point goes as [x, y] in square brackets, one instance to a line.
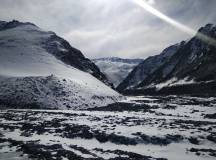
[173, 82]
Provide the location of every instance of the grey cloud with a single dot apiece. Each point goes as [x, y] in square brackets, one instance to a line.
[112, 28]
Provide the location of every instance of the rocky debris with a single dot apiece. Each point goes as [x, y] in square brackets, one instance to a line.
[210, 116]
[199, 152]
[120, 106]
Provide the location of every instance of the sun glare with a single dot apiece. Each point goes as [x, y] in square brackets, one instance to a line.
[173, 22]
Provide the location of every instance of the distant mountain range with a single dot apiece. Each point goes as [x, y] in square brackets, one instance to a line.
[116, 69]
[40, 69]
[185, 68]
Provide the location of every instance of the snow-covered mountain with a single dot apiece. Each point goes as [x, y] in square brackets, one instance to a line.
[116, 69]
[56, 46]
[191, 69]
[38, 68]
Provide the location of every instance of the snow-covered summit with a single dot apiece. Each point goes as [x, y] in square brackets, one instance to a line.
[29, 55]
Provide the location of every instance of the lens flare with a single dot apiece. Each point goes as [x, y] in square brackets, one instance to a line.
[174, 23]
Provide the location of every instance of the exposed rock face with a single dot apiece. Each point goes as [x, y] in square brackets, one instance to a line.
[147, 67]
[72, 56]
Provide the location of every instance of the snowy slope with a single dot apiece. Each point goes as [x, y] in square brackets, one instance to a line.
[54, 92]
[116, 69]
[31, 74]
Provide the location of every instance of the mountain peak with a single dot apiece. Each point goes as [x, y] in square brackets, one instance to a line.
[208, 29]
[12, 24]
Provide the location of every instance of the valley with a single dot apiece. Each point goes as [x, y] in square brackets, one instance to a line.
[56, 104]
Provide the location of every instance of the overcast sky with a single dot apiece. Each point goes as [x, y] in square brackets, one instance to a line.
[102, 28]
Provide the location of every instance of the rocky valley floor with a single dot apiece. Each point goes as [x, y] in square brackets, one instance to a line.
[139, 128]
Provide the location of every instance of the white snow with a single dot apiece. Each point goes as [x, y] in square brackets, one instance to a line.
[173, 82]
[152, 124]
